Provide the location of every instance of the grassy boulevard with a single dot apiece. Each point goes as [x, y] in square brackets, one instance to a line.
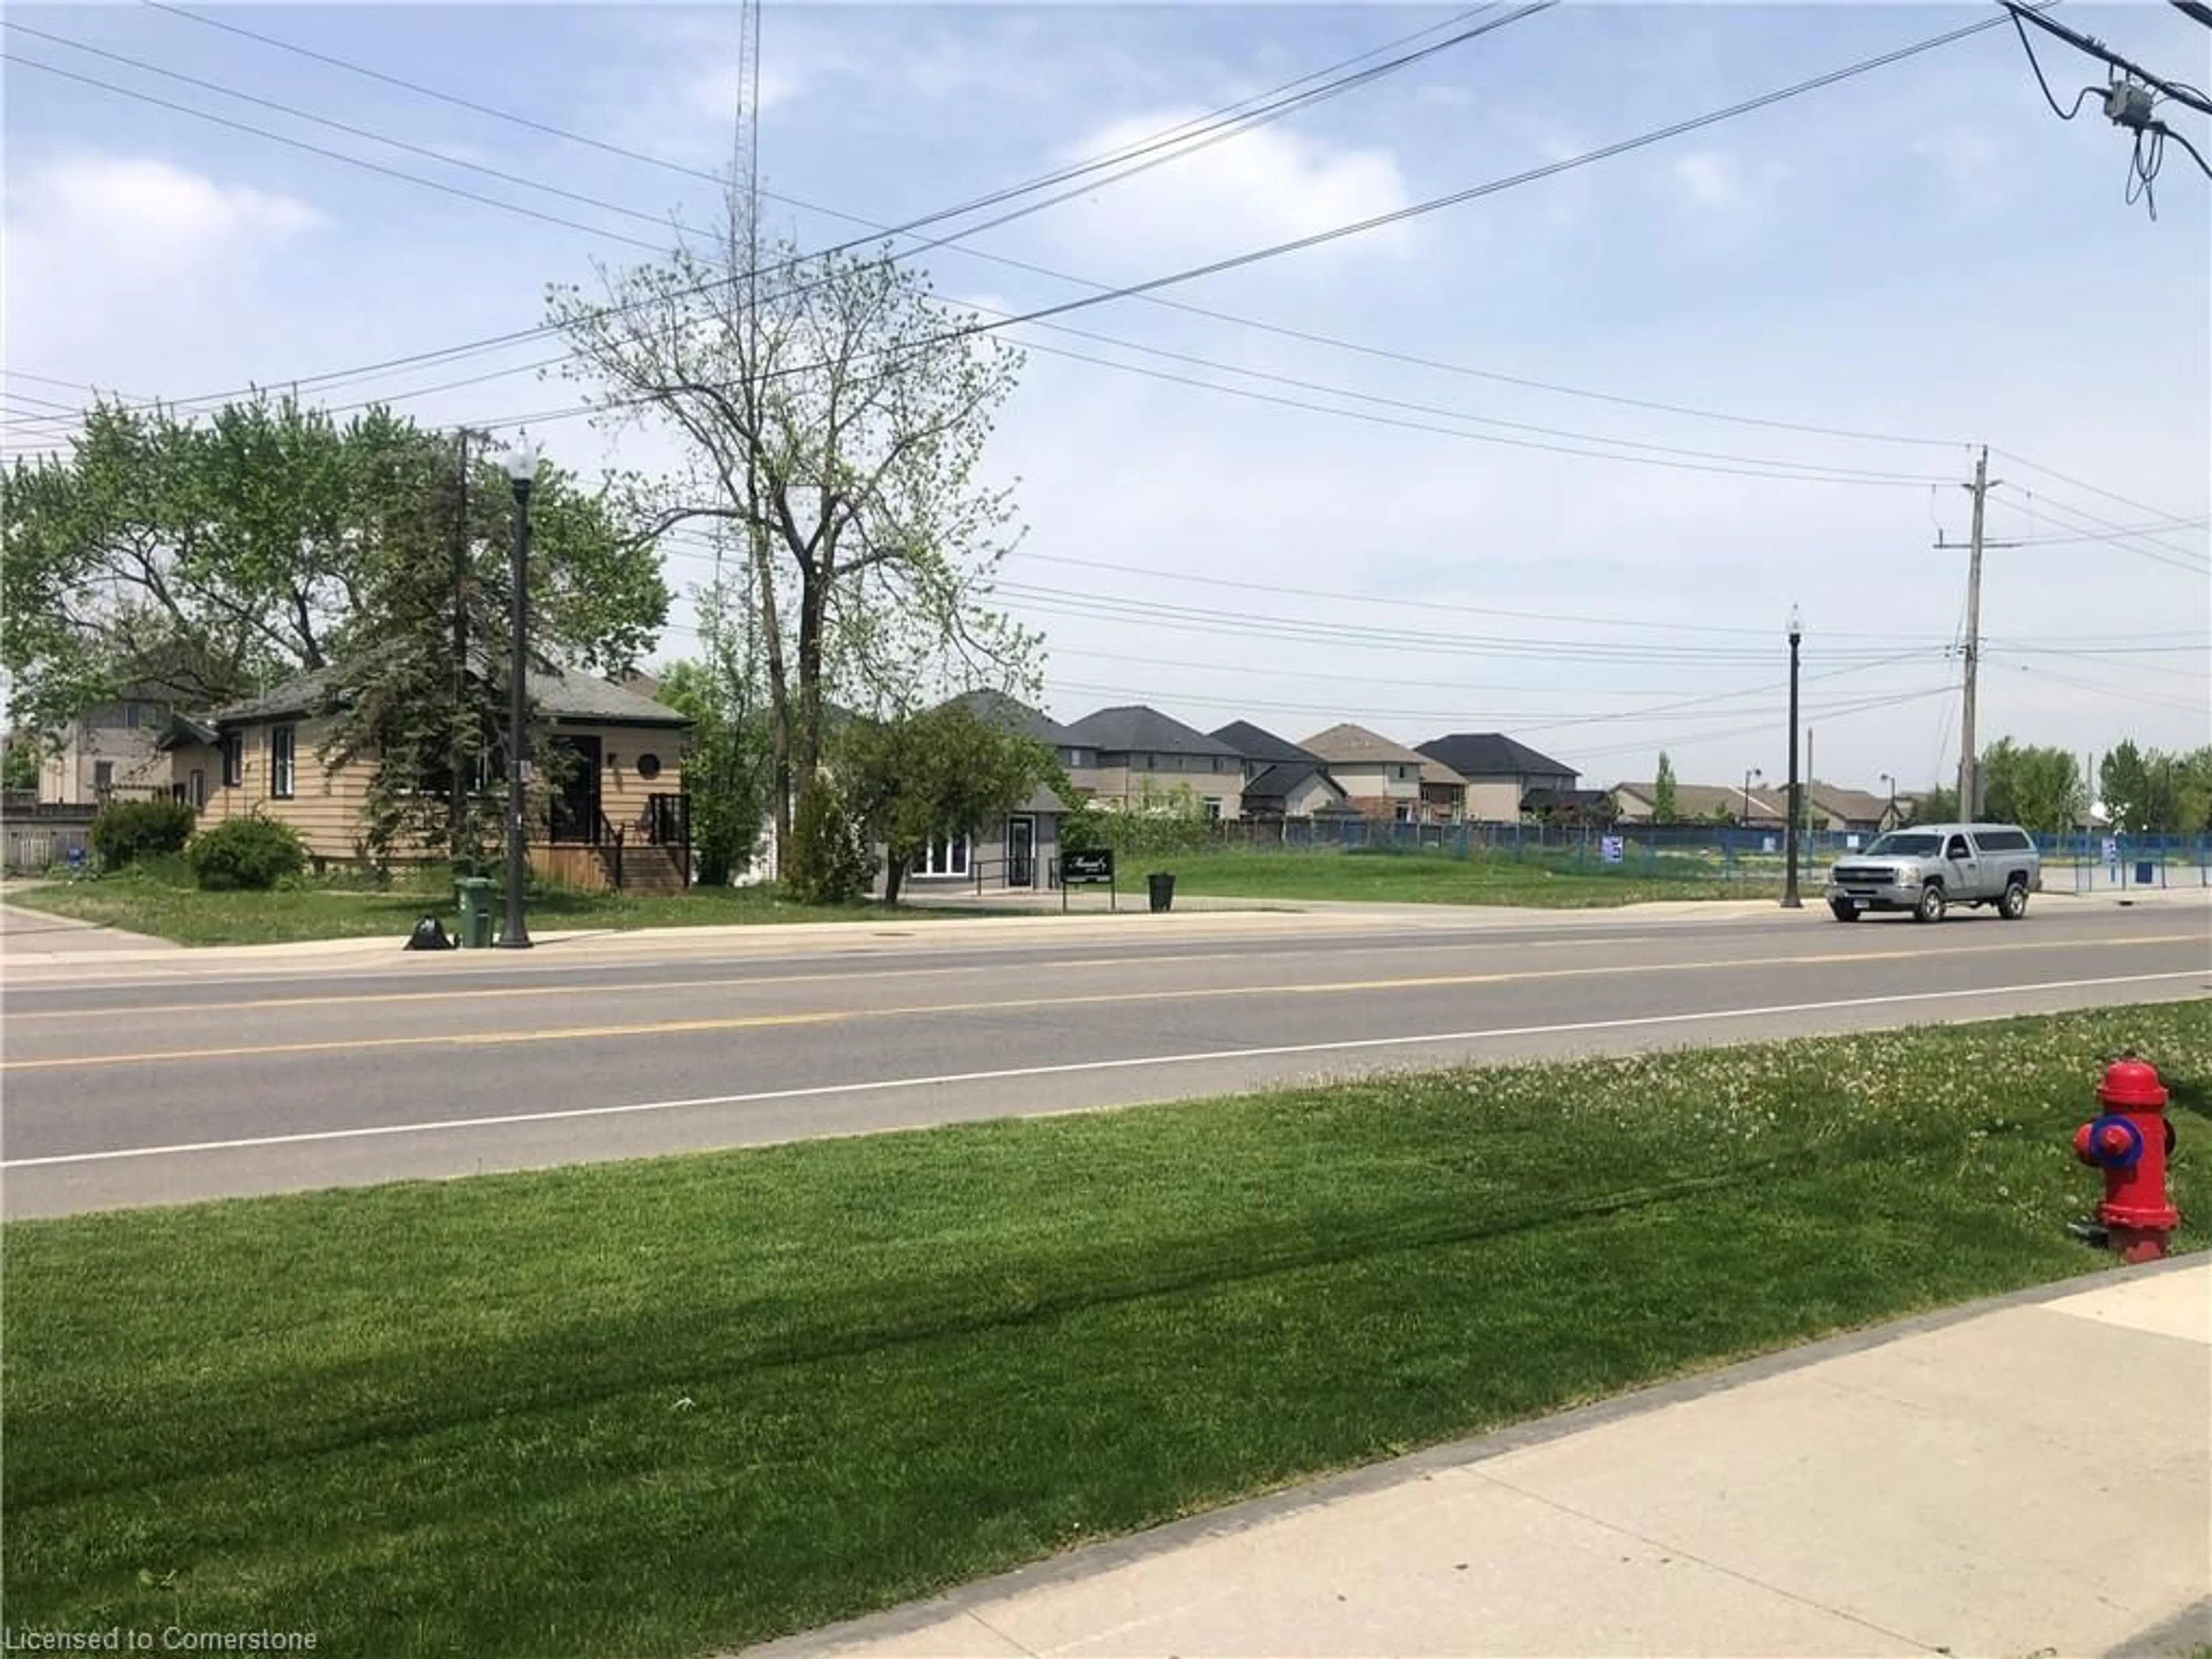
[138, 903]
[659, 1407]
[159, 904]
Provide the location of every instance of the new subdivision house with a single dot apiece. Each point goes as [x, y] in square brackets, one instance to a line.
[1282, 781]
[611, 813]
[1500, 772]
[1383, 778]
[1133, 754]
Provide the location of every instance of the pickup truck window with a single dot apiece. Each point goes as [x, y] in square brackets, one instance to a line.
[2002, 840]
[1958, 848]
[1900, 845]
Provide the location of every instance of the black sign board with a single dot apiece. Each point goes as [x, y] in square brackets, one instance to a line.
[1087, 868]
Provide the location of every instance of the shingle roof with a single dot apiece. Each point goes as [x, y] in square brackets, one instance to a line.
[1007, 714]
[1435, 771]
[1858, 805]
[1700, 801]
[1355, 745]
[1277, 783]
[1492, 755]
[1132, 728]
[1255, 744]
[564, 694]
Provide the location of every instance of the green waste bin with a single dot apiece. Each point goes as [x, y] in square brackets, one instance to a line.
[476, 912]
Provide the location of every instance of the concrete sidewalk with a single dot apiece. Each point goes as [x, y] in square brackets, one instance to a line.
[2032, 1476]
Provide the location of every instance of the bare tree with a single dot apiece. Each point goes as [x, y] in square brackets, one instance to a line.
[837, 413]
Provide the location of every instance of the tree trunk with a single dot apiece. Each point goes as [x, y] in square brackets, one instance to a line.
[894, 876]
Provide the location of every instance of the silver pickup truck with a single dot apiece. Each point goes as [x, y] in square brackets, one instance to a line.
[1930, 867]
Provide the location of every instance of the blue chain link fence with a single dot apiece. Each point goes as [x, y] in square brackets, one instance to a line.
[1709, 851]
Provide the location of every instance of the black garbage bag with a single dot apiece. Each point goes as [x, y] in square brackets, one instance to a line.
[429, 934]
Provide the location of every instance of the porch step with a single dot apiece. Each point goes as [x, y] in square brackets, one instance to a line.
[646, 869]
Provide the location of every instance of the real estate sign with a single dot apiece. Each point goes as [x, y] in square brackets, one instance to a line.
[1087, 869]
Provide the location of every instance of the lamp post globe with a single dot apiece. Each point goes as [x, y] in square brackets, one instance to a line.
[521, 462]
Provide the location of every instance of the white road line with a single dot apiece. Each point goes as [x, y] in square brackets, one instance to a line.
[885, 1084]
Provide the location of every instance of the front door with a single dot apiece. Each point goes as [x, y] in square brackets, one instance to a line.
[1021, 851]
[574, 763]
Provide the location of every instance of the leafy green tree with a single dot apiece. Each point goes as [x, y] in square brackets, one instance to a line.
[724, 769]
[826, 863]
[261, 540]
[2038, 789]
[1665, 808]
[422, 689]
[939, 773]
[2124, 780]
[19, 764]
[834, 415]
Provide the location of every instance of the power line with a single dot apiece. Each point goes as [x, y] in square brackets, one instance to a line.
[2134, 544]
[1186, 140]
[1256, 256]
[2019, 459]
[573, 136]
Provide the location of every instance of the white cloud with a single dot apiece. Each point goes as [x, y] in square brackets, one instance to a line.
[164, 215]
[1265, 186]
[104, 247]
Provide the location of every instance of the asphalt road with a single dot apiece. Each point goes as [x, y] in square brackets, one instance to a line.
[161, 1089]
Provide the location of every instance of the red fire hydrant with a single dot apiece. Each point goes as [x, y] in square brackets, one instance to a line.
[2130, 1141]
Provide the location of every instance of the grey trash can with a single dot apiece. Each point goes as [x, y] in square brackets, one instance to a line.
[1163, 885]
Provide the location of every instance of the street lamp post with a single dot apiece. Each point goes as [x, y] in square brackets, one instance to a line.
[1890, 778]
[1789, 899]
[521, 463]
[1749, 772]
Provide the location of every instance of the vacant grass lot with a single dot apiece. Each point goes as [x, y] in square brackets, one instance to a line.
[165, 909]
[1551, 880]
[658, 1407]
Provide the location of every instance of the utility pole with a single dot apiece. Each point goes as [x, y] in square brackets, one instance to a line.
[1969, 768]
[1812, 777]
[521, 472]
[1789, 899]
[457, 800]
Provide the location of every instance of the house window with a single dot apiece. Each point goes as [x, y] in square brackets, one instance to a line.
[196, 790]
[1213, 809]
[234, 760]
[945, 856]
[281, 767]
[103, 776]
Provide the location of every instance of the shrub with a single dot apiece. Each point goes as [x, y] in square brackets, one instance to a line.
[253, 854]
[127, 831]
[826, 865]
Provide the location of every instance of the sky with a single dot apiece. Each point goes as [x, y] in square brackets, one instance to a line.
[1506, 465]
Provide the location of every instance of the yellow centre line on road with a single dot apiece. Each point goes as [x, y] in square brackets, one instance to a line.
[518, 992]
[748, 1022]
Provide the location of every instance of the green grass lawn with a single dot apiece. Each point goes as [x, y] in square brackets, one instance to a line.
[166, 909]
[1553, 880]
[659, 1407]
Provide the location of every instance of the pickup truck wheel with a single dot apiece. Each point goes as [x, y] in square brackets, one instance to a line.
[1932, 903]
[1843, 910]
[2013, 905]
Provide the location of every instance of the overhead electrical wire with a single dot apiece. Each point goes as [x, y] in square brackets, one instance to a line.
[1178, 141]
[2145, 547]
[1297, 245]
[1310, 337]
